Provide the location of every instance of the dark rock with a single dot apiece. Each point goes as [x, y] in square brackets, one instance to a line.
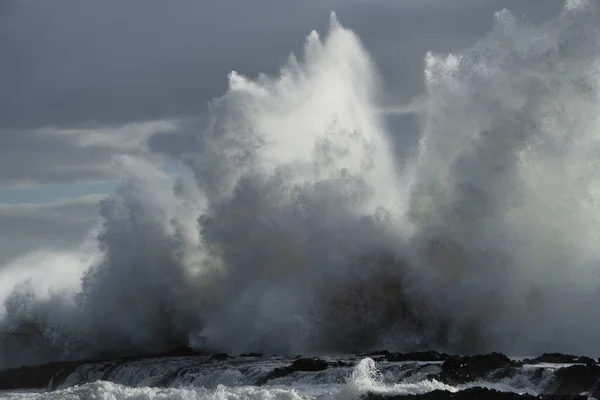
[219, 357]
[556, 358]
[414, 356]
[506, 372]
[55, 373]
[299, 364]
[417, 356]
[275, 374]
[309, 364]
[586, 360]
[458, 369]
[342, 364]
[469, 394]
[577, 379]
[37, 377]
[251, 355]
[376, 354]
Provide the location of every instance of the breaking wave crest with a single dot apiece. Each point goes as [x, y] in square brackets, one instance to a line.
[302, 230]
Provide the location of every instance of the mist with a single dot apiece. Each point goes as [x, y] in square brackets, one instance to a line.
[304, 229]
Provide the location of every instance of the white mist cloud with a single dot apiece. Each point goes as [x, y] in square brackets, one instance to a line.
[287, 237]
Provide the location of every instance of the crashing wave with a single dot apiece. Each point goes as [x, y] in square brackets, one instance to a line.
[302, 231]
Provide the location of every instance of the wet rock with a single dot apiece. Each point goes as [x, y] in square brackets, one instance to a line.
[399, 357]
[558, 358]
[456, 369]
[38, 377]
[55, 373]
[309, 364]
[376, 354]
[469, 394]
[586, 360]
[418, 356]
[509, 372]
[219, 357]
[252, 355]
[275, 374]
[342, 364]
[577, 379]
[299, 364]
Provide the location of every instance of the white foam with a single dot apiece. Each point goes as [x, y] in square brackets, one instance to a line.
[366, 379]
[106, 391]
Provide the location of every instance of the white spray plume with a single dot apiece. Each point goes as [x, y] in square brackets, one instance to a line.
[303, 233]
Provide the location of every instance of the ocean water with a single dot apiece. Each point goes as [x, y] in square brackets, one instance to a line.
[194, 378]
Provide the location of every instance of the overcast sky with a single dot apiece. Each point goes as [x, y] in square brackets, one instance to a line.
[82, 81]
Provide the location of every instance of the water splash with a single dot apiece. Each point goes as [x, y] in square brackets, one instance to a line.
[303, 232]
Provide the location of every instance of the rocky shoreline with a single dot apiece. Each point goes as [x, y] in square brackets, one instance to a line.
[573, 377]
[53, 374]
[473, 394]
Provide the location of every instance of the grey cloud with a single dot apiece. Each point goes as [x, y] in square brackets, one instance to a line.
[46, 156]
[396, 33]
[71, 64]
[177, 144]
[28, 157]
[399, 33]
[67, 62]
[58, 225]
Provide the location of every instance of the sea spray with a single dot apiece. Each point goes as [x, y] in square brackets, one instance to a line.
[303, 232]
[505, 187]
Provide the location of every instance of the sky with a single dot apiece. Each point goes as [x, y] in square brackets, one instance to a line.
[84, 82]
